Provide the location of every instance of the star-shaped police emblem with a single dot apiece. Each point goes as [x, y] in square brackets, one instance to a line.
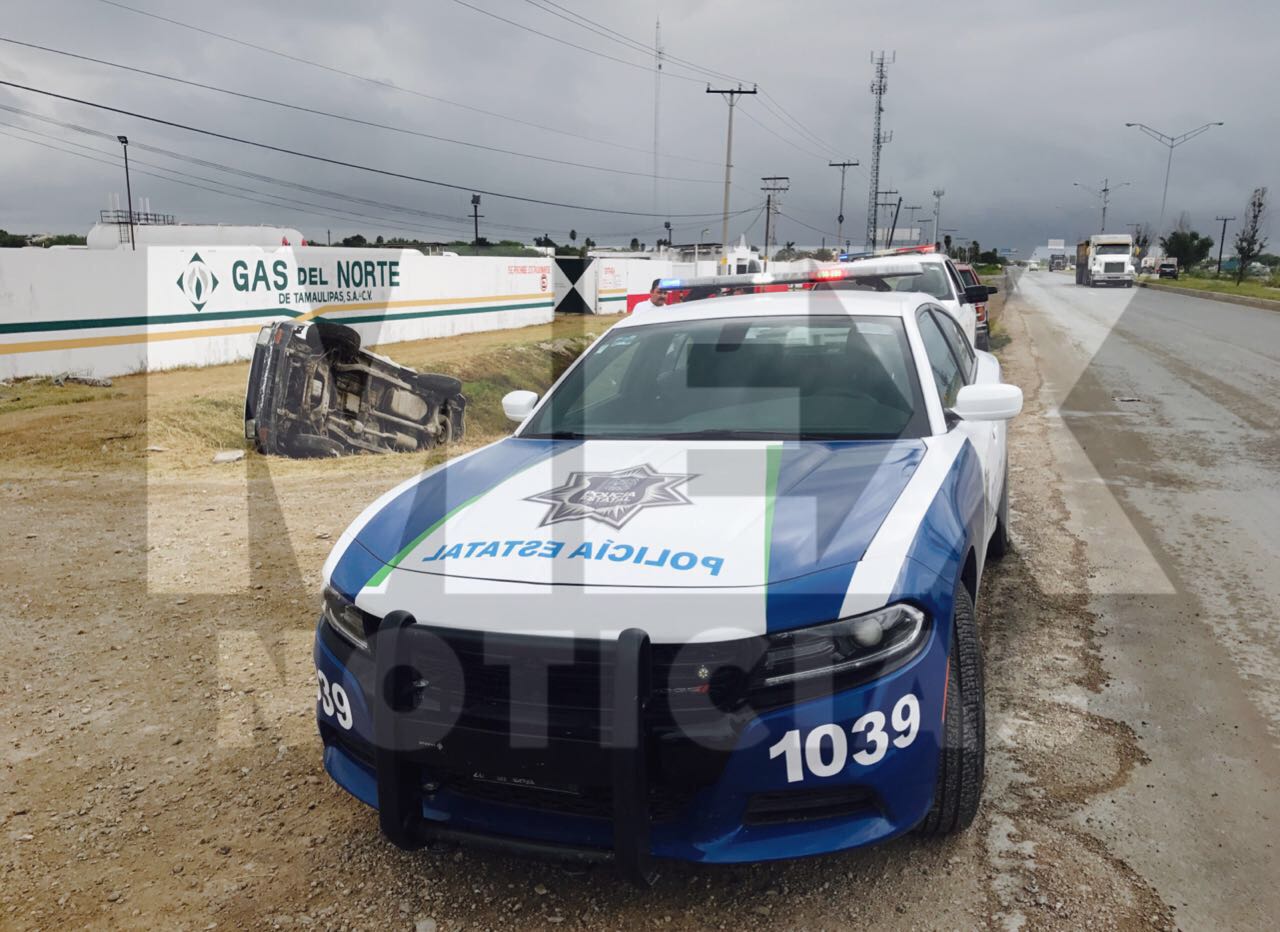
[612, 498]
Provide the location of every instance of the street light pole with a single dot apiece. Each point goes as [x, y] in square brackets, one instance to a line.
[128, 191]
[1172, 142]
[731, 95]
[1222, 242]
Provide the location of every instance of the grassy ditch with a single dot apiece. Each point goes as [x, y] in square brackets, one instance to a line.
[1249, 288]
[180, 418]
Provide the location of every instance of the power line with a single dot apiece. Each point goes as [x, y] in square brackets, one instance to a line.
[785, 116]
[793, 144]
[338, 116]
[339, 162]
[387, 84]
[560, 41]
[770, 103]
[329, 213]
[460, 221]
[288, 201]
[808, 226]
[244, 173]
[622, 38]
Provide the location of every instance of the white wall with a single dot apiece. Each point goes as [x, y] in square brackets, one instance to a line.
[117, 311]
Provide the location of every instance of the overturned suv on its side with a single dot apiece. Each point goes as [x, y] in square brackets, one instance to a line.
[314, 392]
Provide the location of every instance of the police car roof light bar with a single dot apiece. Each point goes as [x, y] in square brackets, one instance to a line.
[784, 279]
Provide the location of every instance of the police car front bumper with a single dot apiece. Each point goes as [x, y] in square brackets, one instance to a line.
[717, 791]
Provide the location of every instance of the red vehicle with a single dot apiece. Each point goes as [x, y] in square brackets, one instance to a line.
[982, 336]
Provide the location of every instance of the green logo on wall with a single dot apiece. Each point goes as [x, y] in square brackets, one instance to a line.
[197, 282]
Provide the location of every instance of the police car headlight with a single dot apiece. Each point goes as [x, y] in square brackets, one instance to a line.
[838, 653]
[341, 614]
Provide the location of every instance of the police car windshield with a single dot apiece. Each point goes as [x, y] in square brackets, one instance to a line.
[791, 378]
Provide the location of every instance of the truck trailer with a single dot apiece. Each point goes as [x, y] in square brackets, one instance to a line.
[1105, 259]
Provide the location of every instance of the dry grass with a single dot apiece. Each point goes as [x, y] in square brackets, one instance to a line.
[189, 414]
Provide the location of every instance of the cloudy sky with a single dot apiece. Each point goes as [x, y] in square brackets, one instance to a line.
[1004, 107]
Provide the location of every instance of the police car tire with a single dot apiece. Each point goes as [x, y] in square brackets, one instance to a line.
[962, 761]
[999, 544]
[339, 340]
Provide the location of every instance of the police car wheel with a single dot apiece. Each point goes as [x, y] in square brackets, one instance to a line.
[999, 543]
[962, 761]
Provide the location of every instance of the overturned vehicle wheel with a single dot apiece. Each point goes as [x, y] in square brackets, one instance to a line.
[314, 392]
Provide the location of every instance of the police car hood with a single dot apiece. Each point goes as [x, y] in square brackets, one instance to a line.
[627, 514]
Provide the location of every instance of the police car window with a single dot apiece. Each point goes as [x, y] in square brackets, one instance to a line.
[959, 343]
[955, 278]
[947, 375]
[790, 377]
[932, 281]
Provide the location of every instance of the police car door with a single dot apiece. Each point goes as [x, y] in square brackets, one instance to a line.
[954, 364]
[964, 312]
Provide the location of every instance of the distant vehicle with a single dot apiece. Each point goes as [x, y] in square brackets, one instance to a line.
[1057, 263]
[314, 392]
[1168, 268]
[1105, 259]
[982, 334]
[1033, 266]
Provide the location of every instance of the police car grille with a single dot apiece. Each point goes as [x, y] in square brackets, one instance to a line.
[691, 684]
[665, 803]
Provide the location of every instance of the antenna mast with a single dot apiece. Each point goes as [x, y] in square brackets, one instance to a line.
[878, 87]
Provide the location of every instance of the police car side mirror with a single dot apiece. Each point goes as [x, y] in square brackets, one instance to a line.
[975, 294]
[1000, 402]
[992, 289]
[519, 405]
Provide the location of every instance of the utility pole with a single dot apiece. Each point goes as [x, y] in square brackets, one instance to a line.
[1222, 242]
[843, 166]
[1172, 142]
[937, 211]
[911, 219]
[879, 85]
[328, 237]
[773, 184]
[1104, 194]
[657, 97]
[880, 204]
[475, 219]
[731, 95]
[893, 227]
[128, 190]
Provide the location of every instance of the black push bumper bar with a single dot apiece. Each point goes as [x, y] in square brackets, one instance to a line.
[408, 740]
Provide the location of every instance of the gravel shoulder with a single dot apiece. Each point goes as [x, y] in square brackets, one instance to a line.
[158, 750]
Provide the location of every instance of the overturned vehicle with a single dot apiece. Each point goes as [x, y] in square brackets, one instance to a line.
[314, 392]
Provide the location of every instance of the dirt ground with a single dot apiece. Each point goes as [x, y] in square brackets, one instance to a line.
[158, 750]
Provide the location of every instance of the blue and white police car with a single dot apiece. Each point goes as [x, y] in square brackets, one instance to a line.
[713, 600]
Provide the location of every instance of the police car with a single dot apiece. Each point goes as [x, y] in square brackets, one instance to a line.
[713, 600]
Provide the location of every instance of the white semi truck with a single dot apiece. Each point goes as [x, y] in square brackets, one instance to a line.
[1105, 259]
